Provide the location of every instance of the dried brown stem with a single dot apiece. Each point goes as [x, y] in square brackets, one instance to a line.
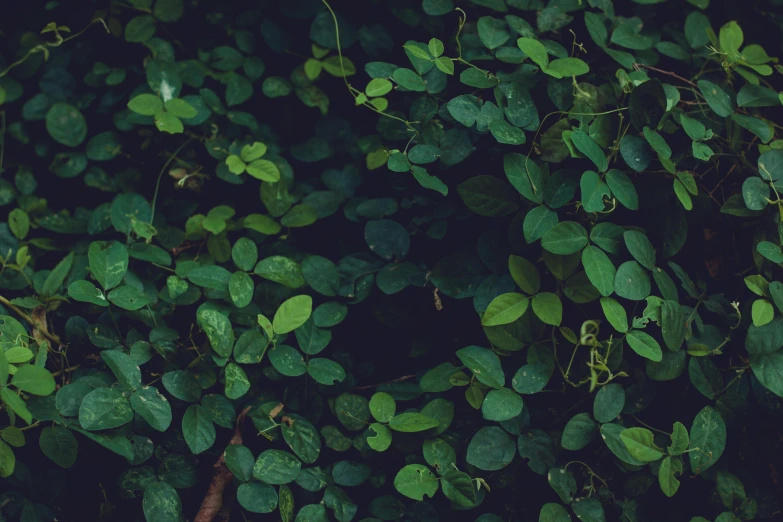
[43, 329]
[213, 501]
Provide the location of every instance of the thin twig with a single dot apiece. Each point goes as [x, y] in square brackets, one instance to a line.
[160, 175]
[398, 379]
[668, 73]
[66, 370]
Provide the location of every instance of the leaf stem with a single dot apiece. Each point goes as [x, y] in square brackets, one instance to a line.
[52, 337]
[160, 176]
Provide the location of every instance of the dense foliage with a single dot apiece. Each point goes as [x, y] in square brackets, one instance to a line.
[420, 260]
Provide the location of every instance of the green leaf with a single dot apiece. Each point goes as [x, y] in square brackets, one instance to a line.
[593, 192]
[240, 461]
[666, 475]
[59, 445]
[104, 408]
[166, 122]
[140, 29]
[302, 437]
[535, 50]
[264, 170]
[564, 67]
[632, 281]
[257, 497]
[183, 385]
[445, 64]
[237, 383]
[429, 181]
[123, 367]
[180, 108]
[292, 314]
[240, 288]
[757, 96]
[757, 284]
[4, 368]
[57, 276]
[287, 360]
[465, 109]
[198, 429]
[585, 144]
[708, 433]
[563, 483]
[622, 188]
[627, 35]
[416, 481]
[641, 444]
[325, 371]
[152, 406]
[129, 297]
[578, 432]
[382, 407]
[720, 102]
[238, 89]
[218, 329]
[387, 238]
[34, 379]
[276, 467]
[16, 403]
[640, 248]
[755, 193]
[378, 87]
[409, 80]
[680, 439]
[771, 165]
[412, 422]
[657, 142]
[492, 32]
[146, 104]
[86, 292]
[636, 152]
[565, 238]
[526, 176]
[599, 269]
[673, 325]
[501, 405]
[382, 438]
[762, 312]
[458, 487]
[555, 512]
[484, 364]
[488, 196]
[66, 124]
[589, 510]
[281, 270]
[235, 164]
[525, 274]
[19, 222]
[161, 503]
[490, 449]
[644, 345]
[504, 309]
[609, 402]
[548, 308]
[730, 38]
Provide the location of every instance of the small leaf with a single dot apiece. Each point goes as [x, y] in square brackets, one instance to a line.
[641, 444]
[292, 314]
[504, 309]
[416, 481]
